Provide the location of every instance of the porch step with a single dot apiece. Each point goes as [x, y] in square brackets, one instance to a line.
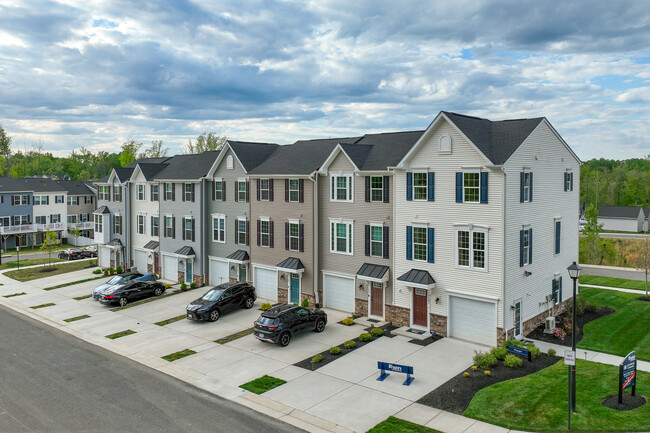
[367, 322]
[404, 332]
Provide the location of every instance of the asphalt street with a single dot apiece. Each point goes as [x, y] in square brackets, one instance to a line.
[630, 274]
[53, 382]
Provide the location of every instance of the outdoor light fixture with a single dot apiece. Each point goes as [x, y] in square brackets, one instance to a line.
[232, 268]
[282, 277]
[361, 286]
[437, 300]
[574, 272]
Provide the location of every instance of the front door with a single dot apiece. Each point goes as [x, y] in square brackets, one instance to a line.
[156, 264]
[294, 289]
[377, 299]
[188, 271]
[242, 273]
[517, 318]
[420, 307]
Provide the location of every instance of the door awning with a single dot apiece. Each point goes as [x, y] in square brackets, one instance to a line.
[239, 257]
[419, 279]
[151, 245]
[291, 265]
[102, 210]
[185, 252]
[374, 273]
[114, 243]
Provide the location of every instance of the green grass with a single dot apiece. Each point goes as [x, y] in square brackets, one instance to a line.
[396, 425]
[262, 384]
[172, 320]
[74, 319]
[235, 336]
[621, 332]
[73, 283]
[37, 249]
[538, 402]
[28, 262]
[143, 301]
[79, 298]
[61, 268]
[613, 282]
[15, 294]
[120, 334]
[49, 304]
[178, 355]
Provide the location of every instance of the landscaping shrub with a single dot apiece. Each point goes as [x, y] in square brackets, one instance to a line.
[305, 303]
[118, 269]
[474, 368]
[335, 350]
[487, 372]
[377, 332]
[499, 353]
[513, 361]
[183, 286]
[559, 333]
[111, 271]
[484, 359]
[551, 352]
[466, 374]
[265, 306]
[193, 285]
[534, 350]
[93, 263]
[317, 358]
[105, 272]
[350, 344]
[348, 321]
[513, 342]
[97, 271]
[365, 337]
[592, 308]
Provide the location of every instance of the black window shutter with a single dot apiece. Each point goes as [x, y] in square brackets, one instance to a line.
[286, 190]
[193, 195]
[367, 190]
[236, 231]
[270, 189]
[247, 189]
[367, 240]
[286, 236]
[259, 233]
[214, 190]
[223, 190]
[13, 200]
[530, 195]
[193, 227]
[530, 246]
[386, 189]
[521, 187]
[301, 237]
[258, 189]
[173, 192]
[27, 199]
[385, 242]
[248, 231]
[565, 180]
[459, 187]
[571, 177]
[173, 227]
[164, 191]
[409, 243]
[183, 185]
[409, 186]
[183, 230]
[271, 233]
[236, 190]
[521, 248]
[301, 190]
[560, 289]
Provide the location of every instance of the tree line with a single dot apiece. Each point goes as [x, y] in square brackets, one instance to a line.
[612, 182]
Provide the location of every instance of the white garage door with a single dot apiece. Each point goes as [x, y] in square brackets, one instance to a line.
[104, 256]
[473, 320]
[141, 260]
[266, 283]
[170, 268]
[218, 272]
[339, 293]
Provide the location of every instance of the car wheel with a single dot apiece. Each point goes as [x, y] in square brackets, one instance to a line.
[284, 339]
[214, 315]
[249, 303]
[123, 301]
[158, 291]
[320, 325]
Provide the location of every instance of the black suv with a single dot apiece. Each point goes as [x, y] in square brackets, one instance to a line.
[279, 324]
[220, 299]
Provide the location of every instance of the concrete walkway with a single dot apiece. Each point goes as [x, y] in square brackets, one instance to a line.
[613, 271]
[618, 289]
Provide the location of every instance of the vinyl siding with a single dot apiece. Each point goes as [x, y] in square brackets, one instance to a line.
[148, 208]
[115, 208]
[547, 158]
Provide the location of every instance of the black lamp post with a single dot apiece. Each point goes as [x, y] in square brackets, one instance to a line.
[574, 273]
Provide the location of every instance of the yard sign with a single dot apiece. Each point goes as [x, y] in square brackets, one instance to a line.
[627, 375]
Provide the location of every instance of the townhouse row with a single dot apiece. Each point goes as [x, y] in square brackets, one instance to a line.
[430, 229]
[29, 207]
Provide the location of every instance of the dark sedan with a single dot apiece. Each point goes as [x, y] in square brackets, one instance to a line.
[279, 324]
[131, 291]
[221, 299]
[70, 254]
[90, 251]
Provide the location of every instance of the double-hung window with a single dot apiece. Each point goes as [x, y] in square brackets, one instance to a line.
[19, 200]
[188, 229]
[376, 188]
[154, 225]
[420, 243]
[471, 248]
[103, 192]
[293, 235]
[117, 193]
[72, 219]
[419, 186]
[376, 239]
[341, 188]
[139, 192]
[568, 181]
[526, 187]
[60, 198]
[341, 237]
[294, 190]
[117, 224]
[40, 199]
[154, 192]
[264, 232]
[265, 190]
[242, 231]
[5, 221]
[188, 192]
[558, 235]
[169, 191]
[472, 186]
[556, 286]
[98, 224]
[218, 190]
[169, 226]
[242, 191]
[525, 246]
[218, 228]
[140, 228]
[40, 219]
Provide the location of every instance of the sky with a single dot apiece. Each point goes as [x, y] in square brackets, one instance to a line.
[94, 73]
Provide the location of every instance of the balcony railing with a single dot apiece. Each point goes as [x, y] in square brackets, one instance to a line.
[82, 225]
[31, 228]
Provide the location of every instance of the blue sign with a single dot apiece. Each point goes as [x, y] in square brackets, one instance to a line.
[520, 351]
[628, 371]
[396, 368]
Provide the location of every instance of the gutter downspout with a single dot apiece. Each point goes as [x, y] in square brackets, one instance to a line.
[314, 179]
[127, 211]
[202, 246]
[504, 263]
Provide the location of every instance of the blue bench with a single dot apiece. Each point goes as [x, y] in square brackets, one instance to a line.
[520, 351]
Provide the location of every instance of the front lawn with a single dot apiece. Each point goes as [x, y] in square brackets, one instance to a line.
[538, 402]
[622, 283]
[619, 333]
[27, 262]
[46, 271]
[262, 384]
[396, 425]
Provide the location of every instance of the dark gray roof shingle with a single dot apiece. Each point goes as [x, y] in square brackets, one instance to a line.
[75, 187]
[192, 167]
[291, 263]
[380, 151]
[631, 212]
[185, 251]
[417, 276]
[372, 271]
[239, 256]
[252, 154]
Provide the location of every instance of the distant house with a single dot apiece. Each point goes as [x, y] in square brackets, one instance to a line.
[623, 218]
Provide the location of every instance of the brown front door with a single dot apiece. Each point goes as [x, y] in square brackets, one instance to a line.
[377, 299]
[419, 307]
[156, 263]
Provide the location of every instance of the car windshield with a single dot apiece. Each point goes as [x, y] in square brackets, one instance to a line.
[213, 295]
[114, 280]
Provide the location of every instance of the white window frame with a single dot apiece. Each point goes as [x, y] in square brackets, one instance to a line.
[59, 199]
[117, 223]
[266, 233]
[349, 187]
[295, 190]
[5, 221]
[140, 192]
[265, 191]
[380, 242]
[155, 192]
[40, 219]
[21, 200]
[73, 200]
[99, 226]
[102, 190]
[117, 193]
[472, 230]
[55, 218]
[188, 230]
[170, 227]
[72, 218]
[40, 200]
[379, 190]
[526, 186]
[414, 244]
[140, 223]
[187, 191]
[241, 194]
[155, 225]
[296, 238]
[241, 233]
[169, 192]
[472, 188]
[526, 246]
[567, 180]
[219, 233]
[349, 238]
[424, 187]
[229, 163]
[218, 192]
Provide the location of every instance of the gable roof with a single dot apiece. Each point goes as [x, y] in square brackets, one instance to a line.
[149, 169]
[193, 166]
[75, 187]
[252, 154]
[123, 173]
[628, 212]
[31, 184]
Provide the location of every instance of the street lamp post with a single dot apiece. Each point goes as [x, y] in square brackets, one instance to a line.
[574, 272]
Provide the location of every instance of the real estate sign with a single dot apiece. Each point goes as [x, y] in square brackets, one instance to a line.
[627, 375]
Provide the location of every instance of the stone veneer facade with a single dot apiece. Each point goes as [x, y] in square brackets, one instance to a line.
[360, 307]
[283, 296]
[399, 316]
[438, 323]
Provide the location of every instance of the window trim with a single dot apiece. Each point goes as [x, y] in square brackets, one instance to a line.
[155, 192]
[155, 228]
[381, 242]
[218, 193]
[240, 232]
[191, 229]
[244, 191]
[171, 234]
[526, 189]
[426, 234]
[568, 180]
[295, 223]
[557, 236]
[471, 229]
[349, 236]
[140, 193]
[103, 192]
[375, 189]
[296, 190]
[99, 223]
[478, 187]
[426, 185]
[169, 192]
[526, 252]
[266, 190]
[267, 233]
[219, 231]
[349, 188]
[140, 218]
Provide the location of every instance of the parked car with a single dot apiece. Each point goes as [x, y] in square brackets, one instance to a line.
[121, 279]
[70, 254]
[279, 324]
[124, 293]
[221, 299]
[89, 251]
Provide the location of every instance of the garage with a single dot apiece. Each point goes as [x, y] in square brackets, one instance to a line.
[473, 320]
[141, 260]
[170, 268]
[218, 272]
[339, 292]
[266, 283]
[104, 256]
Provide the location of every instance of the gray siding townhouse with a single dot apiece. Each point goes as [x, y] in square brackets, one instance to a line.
[16, 212]
[227, 215]
[183, 200]
[80, 203]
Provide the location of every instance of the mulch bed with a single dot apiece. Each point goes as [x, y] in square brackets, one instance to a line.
[456, 394]
[538, 333]
[629, 402]
[644, 298]
[427, 340]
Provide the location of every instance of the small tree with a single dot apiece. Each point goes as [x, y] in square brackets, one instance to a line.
[50, 243]
[76, 232]
[640, 258]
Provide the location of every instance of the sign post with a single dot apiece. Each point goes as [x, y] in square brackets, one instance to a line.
[570, 360]
[627, 375]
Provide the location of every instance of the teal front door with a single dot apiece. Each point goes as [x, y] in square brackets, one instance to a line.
[294, 292]
[188, 271]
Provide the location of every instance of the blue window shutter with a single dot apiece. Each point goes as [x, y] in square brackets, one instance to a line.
[565, 179]
[409, 243]
[521, 248]
[431, 186]
[571, 176]
[409, 186]
[484, 187]
[459, 187]
[521, 187]
[367, 239]
[558, 228]
[47, 199]
[560, 290]
[530, 246]
[530, 195]
[430, 248]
